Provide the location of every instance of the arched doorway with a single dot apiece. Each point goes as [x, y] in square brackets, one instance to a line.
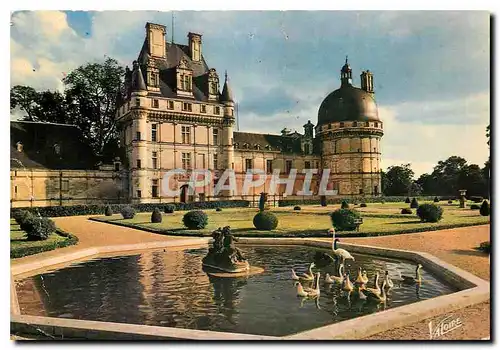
[184, 193]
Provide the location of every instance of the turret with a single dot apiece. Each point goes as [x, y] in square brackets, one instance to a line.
[367, 81]
[346, 74]
[138, 85]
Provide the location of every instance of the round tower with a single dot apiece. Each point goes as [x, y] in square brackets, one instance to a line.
[226, 98]
[350, 132]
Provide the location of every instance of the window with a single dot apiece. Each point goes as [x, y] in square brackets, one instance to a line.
[137, 102]
[367, 124]
[307, 165]
[186, 134]
[214, 87]
[360, 191]
[248, 164]
[203, 109]
[376, 125]
[117, 166]
[138, 163]
[215, 161]
[216, 136]
[269, 166]
[341, 124]
[138, 193]
[154, 159]
[138, 135]
[186, 82]
[217, 110]
[374, 149]
[155, 103]
[306, 148]
[230, 112]
[65, 185]
[355, 124]
[187, 107]
[288, 166]
[153, 132]
[375, 190]
[170, 105]
[154, 188]
[15, 191]
[186, 160]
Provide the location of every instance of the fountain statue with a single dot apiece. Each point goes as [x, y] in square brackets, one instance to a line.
[223, 255]
[462, 198]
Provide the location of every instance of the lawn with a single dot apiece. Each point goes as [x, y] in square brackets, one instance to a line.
[312, 220]
[20, 246]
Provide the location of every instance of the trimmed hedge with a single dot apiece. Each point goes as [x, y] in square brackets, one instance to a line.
[485, 209]
[475, 199]
[408, 200]
[475, 207]
[436, 199]
[19, 252]
[297, 207]
[156, 216]
[169, 208]
[430, 212]
[128, 212]
[265, 220]
[98, 209]
[406, 211]
[363, 205]
[218, 209]
[344, 205]
[414, 203]
[195, 219]
[343, 219]
[108, 211]
[485, 247]
[392, 199]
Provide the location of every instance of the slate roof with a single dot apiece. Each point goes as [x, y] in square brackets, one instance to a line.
[41, 141]
[284, 144]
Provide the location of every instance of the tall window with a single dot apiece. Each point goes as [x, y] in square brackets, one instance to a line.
[215, 160]
[155, 103]
[138, 193]
[216, 136]
[217, 110]
[137, 102]
[65, 185]
[138, 135]
[214, 87]
[288, 166]
[170, 105]
[355, 124]
[367, 124]
[248, 164]
[203, 109]
[307, 165]
[306, 148]
[138, 163]
[187, 107]
[153, 132]
[186, 134]
[186, 160]
[269, 166]
[154, 188]
[154, 159]
[341, 124]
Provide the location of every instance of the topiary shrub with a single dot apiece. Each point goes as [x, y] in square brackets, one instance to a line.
[262, 201]
[485, 209]
[436, 199]
[156, 216]
[108, 211]
[195, 219]
[475, 207]
[407, 200]
[406, 211]
[450, 202]
[363, 205]
[39, 229]
[414, 203]
[344, 219]
[323, 201]
[485, 247]
[429, 212]
[476, 199]
[382, 201]
[128, 212]
[265, 220]
[344, 205]
[296, 207]
[218, 209]
[169, 208]
[21, 215]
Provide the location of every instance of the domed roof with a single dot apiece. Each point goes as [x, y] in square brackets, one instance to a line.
[348, 103]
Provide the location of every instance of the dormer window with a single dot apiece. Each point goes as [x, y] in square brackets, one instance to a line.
[57, 149]
[186, 82]
[203, 109]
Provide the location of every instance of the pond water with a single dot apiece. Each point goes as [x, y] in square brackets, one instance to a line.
[170, 289]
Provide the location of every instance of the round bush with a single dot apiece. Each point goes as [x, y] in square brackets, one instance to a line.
[108, 211]
[344, 219]
[218, 209]
[407, 200]
[436, 199]
[169, 208]
[128, 212]
[485, 209]
[156, 216]
[39, 229]
[450, 202]
[430, 212]
[265, 220]
[475, 207]
[414, 203]
[195, 219]
[485, 247]
[406, 211]
[344, 205]
[296, 207]
[363, 205]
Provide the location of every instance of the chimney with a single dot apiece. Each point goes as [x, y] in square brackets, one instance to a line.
[367, 81]
[195, 46]
[19, 146]
[155, 36]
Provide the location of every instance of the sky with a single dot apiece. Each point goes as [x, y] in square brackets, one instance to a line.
[431, 69]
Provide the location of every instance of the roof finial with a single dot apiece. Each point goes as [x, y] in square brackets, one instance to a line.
[225, 74]
[345, 59]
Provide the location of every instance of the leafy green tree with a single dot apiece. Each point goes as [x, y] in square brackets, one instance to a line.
[399, 180]
[24, 97]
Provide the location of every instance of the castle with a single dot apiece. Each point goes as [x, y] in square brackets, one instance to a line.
[174, 116]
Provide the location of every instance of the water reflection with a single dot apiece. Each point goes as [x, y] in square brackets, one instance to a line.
[171, 289]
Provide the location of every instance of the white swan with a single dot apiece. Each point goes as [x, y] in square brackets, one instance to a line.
[379, 297]
[410, 279]
[336, 279]
[304, 276]
[341, 253]
[388, 280]
[309, 292]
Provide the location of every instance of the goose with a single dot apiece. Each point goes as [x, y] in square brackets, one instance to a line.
[365, 276]
[375, 290]
[304, 276]
[336, 279]
[410, 279]
[360, 280]
[380, 297]
[358, 293]
[388, 280]
[309, 292]
[347, 285]
[341, 253]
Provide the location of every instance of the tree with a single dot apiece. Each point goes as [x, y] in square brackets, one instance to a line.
[488, 134]
[446, 173]
[91, 92]
[399, 180]
[51, 106]
[24, 97]
[471, 179]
